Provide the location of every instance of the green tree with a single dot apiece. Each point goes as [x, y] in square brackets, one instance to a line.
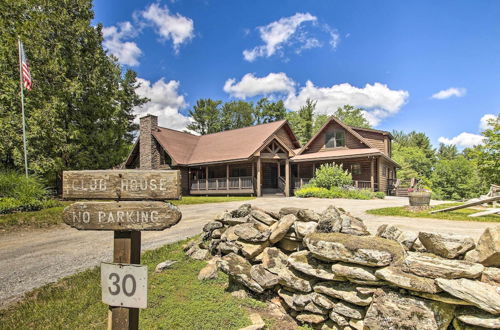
[414, 162]
[236, 114]
[206, 116]
[352, 116]
[488, 154]
[79, 113]
[447, 151]
[455, 179]
[319, 121]
[302, 121]
[268, 112]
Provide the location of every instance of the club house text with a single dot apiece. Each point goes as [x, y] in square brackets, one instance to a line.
[115, 217]
[125, 184]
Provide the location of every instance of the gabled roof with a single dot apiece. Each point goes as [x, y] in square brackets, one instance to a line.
[347, 128]
[373, 130]
[236, 144]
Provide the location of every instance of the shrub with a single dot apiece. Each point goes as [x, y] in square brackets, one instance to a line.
[336, 192]
[380, 194]
[331, 175]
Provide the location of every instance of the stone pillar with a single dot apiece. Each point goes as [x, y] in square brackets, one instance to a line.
[148, 150]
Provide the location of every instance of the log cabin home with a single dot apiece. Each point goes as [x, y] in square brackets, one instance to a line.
[264, 159]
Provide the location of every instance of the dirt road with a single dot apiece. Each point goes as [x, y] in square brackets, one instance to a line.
[31, 259]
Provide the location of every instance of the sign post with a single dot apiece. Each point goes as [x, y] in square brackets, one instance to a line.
[124, 282]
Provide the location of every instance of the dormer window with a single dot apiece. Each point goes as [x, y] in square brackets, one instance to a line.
[335, 138]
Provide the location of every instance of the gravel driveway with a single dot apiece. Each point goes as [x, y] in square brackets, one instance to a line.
[30, 259]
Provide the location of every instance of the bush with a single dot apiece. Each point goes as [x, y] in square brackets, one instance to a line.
[19, 193]
[331, 175]
[336, 192]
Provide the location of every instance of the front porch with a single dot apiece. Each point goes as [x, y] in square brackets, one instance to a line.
[228, 179]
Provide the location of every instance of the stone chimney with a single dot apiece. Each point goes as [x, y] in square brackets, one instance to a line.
[148, 147]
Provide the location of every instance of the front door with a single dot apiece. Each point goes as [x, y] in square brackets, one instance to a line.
[270, 175]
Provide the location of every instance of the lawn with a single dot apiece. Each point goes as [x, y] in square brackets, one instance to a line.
[53, 216]
[176, 300]
[458, 215]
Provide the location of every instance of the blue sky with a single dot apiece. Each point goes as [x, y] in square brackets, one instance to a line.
[413, 65]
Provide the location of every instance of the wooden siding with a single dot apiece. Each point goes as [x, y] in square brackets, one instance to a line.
[306, 169]
[184, 180]
[385, 170]
[318, 144]
[283, 135]
[375, 139]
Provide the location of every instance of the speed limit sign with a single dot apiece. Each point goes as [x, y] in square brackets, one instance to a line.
[124, 285]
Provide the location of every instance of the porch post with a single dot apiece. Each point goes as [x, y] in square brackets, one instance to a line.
[287, 178]
[227, 176]
[279, 169]
[206, 176]
[380, 171]
[372, 173]
[259, 170]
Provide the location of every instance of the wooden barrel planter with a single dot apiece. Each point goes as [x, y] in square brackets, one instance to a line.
[419, 198]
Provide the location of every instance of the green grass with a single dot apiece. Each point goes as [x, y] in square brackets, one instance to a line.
[458, 215]
[53, 216]
[176, 300]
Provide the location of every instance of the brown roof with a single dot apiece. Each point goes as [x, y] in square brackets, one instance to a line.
[372, 130]
[340, 153]
[237, 144]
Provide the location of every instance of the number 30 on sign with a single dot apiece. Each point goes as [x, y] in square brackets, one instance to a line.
[124, 285]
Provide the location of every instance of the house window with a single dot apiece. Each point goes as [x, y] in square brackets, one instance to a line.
[239, 171]
[356, 169]
[335, 139]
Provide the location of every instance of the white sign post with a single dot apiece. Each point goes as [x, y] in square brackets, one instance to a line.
[124, 285]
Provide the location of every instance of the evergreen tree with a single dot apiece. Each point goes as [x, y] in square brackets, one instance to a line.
[267, 112]
[488, 154]
[206, 116]
[302, 121]
[447, 151]
[352, 116]
[79, 113]
[236, 114]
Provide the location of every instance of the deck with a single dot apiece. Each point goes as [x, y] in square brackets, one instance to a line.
[223, 186]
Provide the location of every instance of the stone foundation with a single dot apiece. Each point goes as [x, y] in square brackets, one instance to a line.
[329, 272]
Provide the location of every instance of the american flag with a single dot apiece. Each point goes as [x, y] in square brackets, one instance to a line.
[25, 69]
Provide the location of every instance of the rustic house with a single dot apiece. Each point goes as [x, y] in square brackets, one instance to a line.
[263, 159]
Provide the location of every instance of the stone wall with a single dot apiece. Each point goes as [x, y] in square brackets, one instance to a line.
[149, 152]
[327, 271]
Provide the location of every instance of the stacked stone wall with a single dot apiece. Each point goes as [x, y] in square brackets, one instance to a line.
[327, 271]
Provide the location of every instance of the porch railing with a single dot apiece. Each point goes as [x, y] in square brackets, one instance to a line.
[361, 184]
[297, 183]
[235, 183]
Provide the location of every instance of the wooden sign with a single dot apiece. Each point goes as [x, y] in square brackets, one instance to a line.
[121, 216]
[122, 184]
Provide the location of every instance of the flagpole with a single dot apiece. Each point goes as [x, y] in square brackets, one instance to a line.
[22, 108]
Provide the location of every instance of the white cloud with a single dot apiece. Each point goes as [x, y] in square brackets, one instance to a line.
[165, 103]
[127, 52]
[250, 85]
[464, 140]
[447, 93]
[378, 100]
[275, 34]
[484, 121]
[169, 26]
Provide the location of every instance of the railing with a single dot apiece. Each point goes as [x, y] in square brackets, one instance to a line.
[281, 183]
[360, 184]
[297, 183]
[243, 182]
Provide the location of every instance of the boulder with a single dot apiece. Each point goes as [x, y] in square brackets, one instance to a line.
[491, 276]
[304, 262]
[442, 297]
[263, 277]
[280, 228]
[407, 239]
[418, 246]
[289, 245]
[197, 253]
[212, 225]
[251, 250]
[239, 269]
[307, 215]
[275, 261]
[248, 232]
[404, 280]
[353, 226]
[482, 295]
[288, 210]
[257, 322]
[429, 265]
[446, 245]
[226, 247]
[209, 272]
[357, 324]
[392, 310]
[353, 271]
[368, 251]
[323, 301]
[262, 217]
[164, 265]
[303, 228]
[348, 310]
[257, 224]
[229, 234]
[217, 233]
[287, 298]
[330, 221]
[311, 318]
[477, 318]
[339, 319]
[227, 219]
[301, 300]
[242, 211]
[488, 247]
[343, 291]
[313, 308]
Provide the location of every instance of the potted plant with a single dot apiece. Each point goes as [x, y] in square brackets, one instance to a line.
[419, 196]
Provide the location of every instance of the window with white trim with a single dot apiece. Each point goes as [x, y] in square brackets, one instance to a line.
[335, 138]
